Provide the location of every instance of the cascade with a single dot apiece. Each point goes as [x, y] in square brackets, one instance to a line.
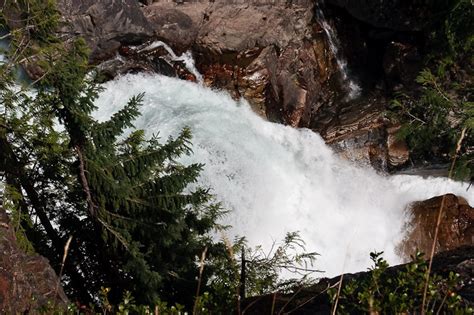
[277, 179]
[334, 44]
[186, 58]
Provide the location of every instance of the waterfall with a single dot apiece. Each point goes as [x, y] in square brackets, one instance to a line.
[186, 58]
[275, 178]
[334, 44]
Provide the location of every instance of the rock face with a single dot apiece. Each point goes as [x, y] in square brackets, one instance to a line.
[315, 300]
[105, 24]
[27, 282]
[269, 54]
[278, 57]
[276, 54]
[456, 228]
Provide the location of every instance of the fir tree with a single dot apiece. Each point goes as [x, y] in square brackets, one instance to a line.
[440, 111]
[125, 200]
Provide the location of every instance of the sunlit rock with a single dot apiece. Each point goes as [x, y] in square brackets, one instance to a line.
[456, 226]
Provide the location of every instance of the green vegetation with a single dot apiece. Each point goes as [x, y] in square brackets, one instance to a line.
[123, 198]
[385, 291]
[262, 271]
[136, 225]
[434, 116]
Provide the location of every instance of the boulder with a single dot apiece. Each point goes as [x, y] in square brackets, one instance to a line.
[456, 227]
[397, 149]
[27, 281]
[269, 54]
[360, 133]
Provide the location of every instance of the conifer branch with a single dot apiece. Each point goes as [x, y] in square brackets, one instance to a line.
[85, 183]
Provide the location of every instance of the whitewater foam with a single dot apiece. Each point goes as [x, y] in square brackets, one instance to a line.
[276, 178]
[186, 57]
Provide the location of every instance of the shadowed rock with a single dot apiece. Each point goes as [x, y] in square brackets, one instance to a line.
[391, 14]
[27, 281]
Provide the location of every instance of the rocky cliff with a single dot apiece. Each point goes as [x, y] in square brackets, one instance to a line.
[279, 55]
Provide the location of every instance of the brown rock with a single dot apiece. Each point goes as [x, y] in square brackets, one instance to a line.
[456, 228]
[278, 58]
[357, 132]
[271, 55]
[177, 25]
[397, 149]
[27, 281]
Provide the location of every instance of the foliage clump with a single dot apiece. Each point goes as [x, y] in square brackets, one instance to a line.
[263, 270]
[385, 291]
[440, 110]
[124, 198]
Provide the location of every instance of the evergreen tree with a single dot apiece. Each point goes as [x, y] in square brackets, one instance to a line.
[441, 110]
[125, 200]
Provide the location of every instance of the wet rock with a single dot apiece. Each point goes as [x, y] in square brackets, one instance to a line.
[357, 131]
[27, 281]
[456, 227]
[274, 56]
[397, 149]
[141, 59]
[278, 58]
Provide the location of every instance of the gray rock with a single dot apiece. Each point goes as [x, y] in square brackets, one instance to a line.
[105, 24]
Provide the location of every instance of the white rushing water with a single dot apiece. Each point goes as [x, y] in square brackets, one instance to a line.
[186, 58]
[354, 89]
[277, 179]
